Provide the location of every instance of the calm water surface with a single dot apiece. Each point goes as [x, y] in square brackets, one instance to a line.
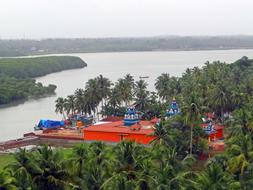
[19, 119]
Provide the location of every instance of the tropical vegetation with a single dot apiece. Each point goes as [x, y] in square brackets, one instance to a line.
[173, 159]
[16, 75]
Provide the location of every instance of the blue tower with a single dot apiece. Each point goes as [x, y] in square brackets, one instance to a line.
[173, 109]
[131, 117]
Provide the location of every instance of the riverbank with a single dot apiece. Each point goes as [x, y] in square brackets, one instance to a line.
[22, 101]
[16, 76]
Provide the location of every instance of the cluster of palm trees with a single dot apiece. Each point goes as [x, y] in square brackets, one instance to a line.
[219, 88]
[96, 166]
[127, 165]
[85, 101]
[101, 95]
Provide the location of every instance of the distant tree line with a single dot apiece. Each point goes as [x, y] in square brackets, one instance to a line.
[16, 75]
[38, 66]
[82, 45]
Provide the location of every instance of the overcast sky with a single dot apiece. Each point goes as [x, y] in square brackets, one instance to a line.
[122, 18]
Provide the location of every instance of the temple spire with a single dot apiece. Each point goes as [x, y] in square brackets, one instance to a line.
[173, 109]
[131, 117]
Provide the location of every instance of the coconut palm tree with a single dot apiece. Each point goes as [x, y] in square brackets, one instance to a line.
[241, 123]
[125, 88]
[191, 115]
[130, 79]
[128, 159]
[145, 180]
[127, 153]
[162, 86]
[214, 178]
[78, 160]
[24, 168]
[163, 135]
[79, 100]
[98, 157]
[220, 99]
[7, 182]
[52, 174]
[240, 151]
[104, 85]
[141, 95]
[92, 95]
[70, 105]
[114, 98]
[170, 172]
[59, 107]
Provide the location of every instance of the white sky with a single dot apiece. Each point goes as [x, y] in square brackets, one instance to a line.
[121, 18]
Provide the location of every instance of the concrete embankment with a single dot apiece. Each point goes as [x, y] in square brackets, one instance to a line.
[32, 139]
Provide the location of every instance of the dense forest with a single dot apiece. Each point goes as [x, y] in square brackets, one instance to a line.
[83, 45]
[16, 75]
[38, 66]
[171, 161]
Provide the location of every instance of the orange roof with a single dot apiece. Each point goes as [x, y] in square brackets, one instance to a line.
[145, 127]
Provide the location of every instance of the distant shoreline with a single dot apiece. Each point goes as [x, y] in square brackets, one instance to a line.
[179, 50]
[22, 101]
[23, 47]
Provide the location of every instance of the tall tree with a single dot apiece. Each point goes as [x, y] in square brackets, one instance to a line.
[52, 174]
[70, 105]
[59, 107]
[104, 85]
[141, 95]
[192, 114]
[162, 86]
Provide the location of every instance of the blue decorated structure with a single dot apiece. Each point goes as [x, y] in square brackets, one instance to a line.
[210, 129]
[173, 109]
[131, 117]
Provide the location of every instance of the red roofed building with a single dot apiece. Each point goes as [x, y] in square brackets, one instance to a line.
[141, 132]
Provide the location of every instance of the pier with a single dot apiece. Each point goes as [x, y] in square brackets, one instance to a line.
[18, 143]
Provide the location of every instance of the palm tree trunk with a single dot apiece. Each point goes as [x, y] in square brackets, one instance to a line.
[63, 114]
[97, 113]
[222, 114]
[191, 139]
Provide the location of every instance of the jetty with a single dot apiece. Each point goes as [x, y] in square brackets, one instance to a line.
[19, 142]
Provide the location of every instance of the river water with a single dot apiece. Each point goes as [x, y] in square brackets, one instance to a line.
[19, 119]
